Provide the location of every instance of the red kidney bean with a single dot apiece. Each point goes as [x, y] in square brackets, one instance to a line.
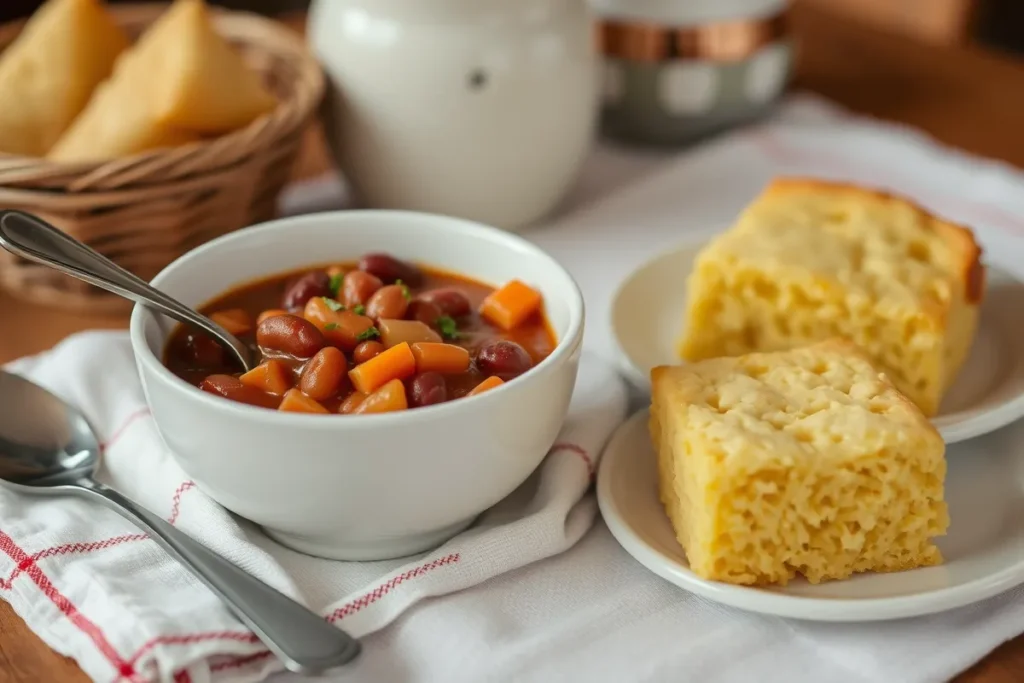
[451, 301]
[423, 311]
[357, 287]
[232, 388]
[426, 389]
[388, 302]
[304, 288]
[389, 269]
[203, 350]
[290, 334]
[367, 350]
[504, 359]
[324, 374]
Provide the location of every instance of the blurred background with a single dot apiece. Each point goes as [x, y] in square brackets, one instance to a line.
[994, 23]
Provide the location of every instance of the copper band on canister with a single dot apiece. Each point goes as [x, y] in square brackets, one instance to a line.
[728, 41]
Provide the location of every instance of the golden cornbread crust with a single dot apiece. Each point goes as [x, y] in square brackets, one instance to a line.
[802, 462]
[960, 237]
[810, 260]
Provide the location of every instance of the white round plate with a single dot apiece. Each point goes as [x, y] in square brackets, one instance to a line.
[983, 551]
[647, 318]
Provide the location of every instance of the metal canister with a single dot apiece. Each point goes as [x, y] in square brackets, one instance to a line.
[678, 70]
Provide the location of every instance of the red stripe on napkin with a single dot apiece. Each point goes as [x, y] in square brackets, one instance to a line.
[29, 566]
[579, 451]
[119, 432]
[176, 500]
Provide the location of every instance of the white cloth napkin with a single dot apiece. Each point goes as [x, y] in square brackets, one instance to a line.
[97, 590]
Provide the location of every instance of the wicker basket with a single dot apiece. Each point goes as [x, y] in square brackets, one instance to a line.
[146, 210]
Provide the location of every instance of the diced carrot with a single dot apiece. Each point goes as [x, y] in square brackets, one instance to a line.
[270, 313]
[510, 305]
[351, 402]
[386, 399]
[234, 320]
[295, 401]
[341, 328]
[394, 363]
[443, 358]
[272, 376]
[487, 384]
[335, 271]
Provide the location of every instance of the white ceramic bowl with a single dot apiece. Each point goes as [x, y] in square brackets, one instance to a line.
[371, 486]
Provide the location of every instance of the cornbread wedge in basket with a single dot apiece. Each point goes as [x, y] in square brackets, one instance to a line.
[810, 260]
[180, 81]
[48, 74]
[804, 462]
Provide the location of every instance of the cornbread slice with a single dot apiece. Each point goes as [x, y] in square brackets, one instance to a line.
[805, 461]
[179, 82]
[49, 72]
[811, 260]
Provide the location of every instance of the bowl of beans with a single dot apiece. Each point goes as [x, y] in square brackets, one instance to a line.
[411, 371]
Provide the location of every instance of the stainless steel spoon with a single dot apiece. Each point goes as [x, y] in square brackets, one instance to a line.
[48, 447]
[32, 238]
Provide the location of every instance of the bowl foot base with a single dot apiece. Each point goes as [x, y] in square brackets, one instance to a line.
[367, 549]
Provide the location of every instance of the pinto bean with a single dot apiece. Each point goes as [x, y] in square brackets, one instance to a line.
[324, 374]
[388, 302]
[367, 350]
[357, 287]
[290, 334]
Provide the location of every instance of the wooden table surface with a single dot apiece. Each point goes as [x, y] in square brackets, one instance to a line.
[966, 97]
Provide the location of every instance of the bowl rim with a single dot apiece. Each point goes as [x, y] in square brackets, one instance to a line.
[564, 348]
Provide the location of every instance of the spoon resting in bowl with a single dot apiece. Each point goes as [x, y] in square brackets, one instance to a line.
[48, 448]
[32, 238]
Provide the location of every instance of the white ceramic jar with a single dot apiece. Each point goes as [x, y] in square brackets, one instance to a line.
[481, 109]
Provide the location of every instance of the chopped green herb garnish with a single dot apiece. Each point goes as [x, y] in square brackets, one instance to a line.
[359, 309]
[448, 327]
[368, 333]
[335, 283]
[405, 290]
[332, 304]
[330, 326]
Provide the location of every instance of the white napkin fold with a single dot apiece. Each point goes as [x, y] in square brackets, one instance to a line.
[96, 589]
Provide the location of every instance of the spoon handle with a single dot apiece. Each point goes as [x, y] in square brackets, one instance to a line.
[34, 239]
[304, 641]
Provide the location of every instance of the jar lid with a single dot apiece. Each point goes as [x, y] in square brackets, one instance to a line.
[686, 12]
[438, 12]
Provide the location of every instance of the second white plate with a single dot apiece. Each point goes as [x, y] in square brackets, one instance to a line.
[647, 315]
[983, 551]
